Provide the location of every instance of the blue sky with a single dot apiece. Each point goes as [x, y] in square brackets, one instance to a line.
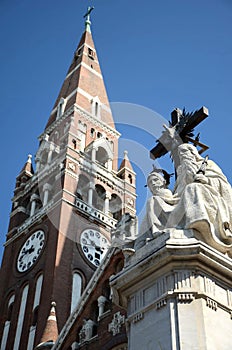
[156, 54]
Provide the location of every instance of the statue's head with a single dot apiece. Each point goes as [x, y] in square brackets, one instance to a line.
[186, 150]
[158, 179]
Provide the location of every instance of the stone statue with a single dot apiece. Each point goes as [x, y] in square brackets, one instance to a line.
[158, 207]
[125, 230]
[201, 200]
[205, 197]
[86, 331]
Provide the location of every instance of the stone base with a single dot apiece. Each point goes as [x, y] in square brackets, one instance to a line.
[178, 294]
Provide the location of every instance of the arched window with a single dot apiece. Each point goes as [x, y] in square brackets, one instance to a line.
[35, 310]
[99, 196]
[7, 322]
[21, 316]
[74, 142]
[96, 107]
[61, 107]
[76, 289]
[102, 156]
[82, 188]
[82, 134]
[115, 206]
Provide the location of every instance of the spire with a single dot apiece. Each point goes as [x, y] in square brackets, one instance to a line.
[126, 162]
[25, 174]
[87, 21]
[28, 168]
[83, 86]
[50, 333]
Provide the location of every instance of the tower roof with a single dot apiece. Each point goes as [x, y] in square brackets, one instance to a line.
[28, 168]
[84, 84]
[126, 162]
[50, 333]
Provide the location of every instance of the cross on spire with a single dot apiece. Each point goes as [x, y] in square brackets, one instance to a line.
[87, 21]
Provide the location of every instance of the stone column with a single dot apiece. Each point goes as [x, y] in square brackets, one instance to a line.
[101, 305]
[46, 189]
[107, 203]
[93, 155]
[37, 162]
[33, 200]
[90, 194]
[109, 164]
[49, 159]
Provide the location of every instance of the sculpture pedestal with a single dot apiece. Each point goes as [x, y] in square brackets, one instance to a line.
[178, 295]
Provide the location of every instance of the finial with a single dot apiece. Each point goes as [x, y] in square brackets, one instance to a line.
[125, 154]
[29, 158]
[87, 21]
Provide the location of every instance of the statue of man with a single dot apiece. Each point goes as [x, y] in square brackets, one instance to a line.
[158, 207]
[205, 196]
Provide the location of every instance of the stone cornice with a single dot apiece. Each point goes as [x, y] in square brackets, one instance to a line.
[32, 221]
[56, 123]
[97, 121]
[84, 114]
[186, 256]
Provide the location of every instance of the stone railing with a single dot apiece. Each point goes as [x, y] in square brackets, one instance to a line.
[95, 213]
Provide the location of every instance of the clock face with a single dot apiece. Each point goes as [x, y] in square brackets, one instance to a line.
[94, 245]
[30, 251]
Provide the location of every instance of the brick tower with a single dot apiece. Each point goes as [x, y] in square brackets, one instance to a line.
[63, 211]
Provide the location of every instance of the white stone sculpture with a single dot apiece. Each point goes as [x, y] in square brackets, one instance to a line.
[116, 324]
[201, 200]
[86, 331]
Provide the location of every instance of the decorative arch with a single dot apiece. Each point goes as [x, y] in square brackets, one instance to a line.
[61, 107]
[102, 156]
[99, 196]
[21, 315]
[83, 187]
[77, 288]
[35, 310]
[9, 310]
[100, 150]
[115, 206]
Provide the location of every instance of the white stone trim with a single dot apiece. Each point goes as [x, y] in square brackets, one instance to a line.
[85, 94]
[31, 221]
[5, 335]
[84, 114]
[96, 121]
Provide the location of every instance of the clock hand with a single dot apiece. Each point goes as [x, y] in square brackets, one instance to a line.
[29, 250]
[93, 243]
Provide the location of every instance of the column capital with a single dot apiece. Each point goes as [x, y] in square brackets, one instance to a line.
[47, 187]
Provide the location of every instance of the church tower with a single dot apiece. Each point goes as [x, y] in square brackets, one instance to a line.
[64, 209]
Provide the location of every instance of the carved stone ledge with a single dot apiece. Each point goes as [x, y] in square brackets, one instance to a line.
[161, 303]
[211, 304]
[138, 317]
[185, 297]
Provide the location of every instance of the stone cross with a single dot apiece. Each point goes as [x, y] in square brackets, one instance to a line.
[116, 324]
[89, 10]
[182, 124]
